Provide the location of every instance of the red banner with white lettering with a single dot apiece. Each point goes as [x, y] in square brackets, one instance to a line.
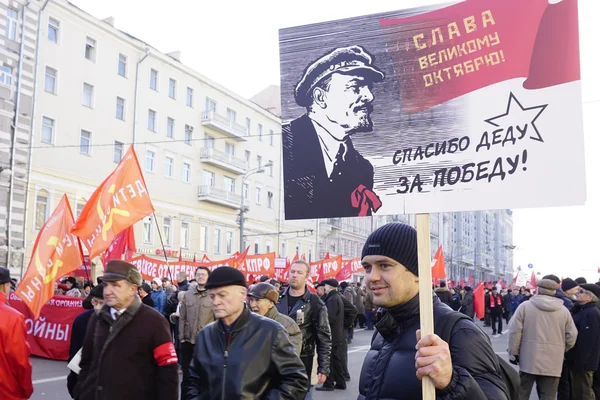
[325, 269]
[49, 336]
[258, 265]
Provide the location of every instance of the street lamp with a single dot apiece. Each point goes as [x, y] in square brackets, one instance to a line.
[248, 173]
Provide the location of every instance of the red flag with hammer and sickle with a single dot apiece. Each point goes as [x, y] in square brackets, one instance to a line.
[56, 253]
[118, 203]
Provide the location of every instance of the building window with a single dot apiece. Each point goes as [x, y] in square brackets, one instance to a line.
[203, 239]
[170, 127]
[309, 255]
[188, 135]
[260, 133]
[229, 149]
[270, 199]
[122, 65]
[210, 105]
[245, 190]
[153, 79]
[88, 95]
[184, 239]
[118, 152]
[189, 97]
[120, 108]
[47, 130]
[148, 231]
[258, 195]
[256, 246]
[187, 172]
[229, 184]
[217, 241]
[150, 160]
[208, 178]
[271, 134]
[41, 209]
[229, 242]
[53, 30]
[90, 49]
[259, 161]
[247, 158]
[270, 169]
[12, 22]
[85, 142]
[283, 254]
[152, 120]
[231, 115]
[167, 230]
[79, 208]
[209, 141]
[248, 125]
[172, 87]
[268, 249]
[50, 81]
[169, 161]
[6, 75]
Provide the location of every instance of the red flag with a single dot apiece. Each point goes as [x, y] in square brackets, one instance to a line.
[119, 202]
[295, 258]
[326, 256]
[205, 259]
[194, 258]
[119, 245]
[471, 279]
[462, 283]
[439, 268]
[180, 255]
[130, 248]
[56, 252]
[479, 301]
[345, 273]
[533, 281]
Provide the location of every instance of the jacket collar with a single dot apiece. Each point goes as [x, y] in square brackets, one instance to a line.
[399, 317]
[239, 323]
[272, 313]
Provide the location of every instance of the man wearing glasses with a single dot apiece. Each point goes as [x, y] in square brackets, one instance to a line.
[194, 314]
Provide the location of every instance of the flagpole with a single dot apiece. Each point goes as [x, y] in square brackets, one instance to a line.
[163, 245]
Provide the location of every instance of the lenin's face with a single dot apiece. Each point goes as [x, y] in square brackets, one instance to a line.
[349, 102]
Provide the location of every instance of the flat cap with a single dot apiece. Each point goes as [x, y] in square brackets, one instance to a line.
[331, 282]
[4, 275]
[118, 270]
[225, 276]
[264, 290]
[591, 287]
[344, 60]
[548, 284]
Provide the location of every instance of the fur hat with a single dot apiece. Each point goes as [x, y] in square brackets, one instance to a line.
[264, 290]
[548, 284]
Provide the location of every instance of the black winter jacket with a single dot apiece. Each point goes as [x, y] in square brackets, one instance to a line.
[467, 305]
[586, 353]
[389, 372]
[315, 327]
[335, 312]
[257, 362]
[444, 295]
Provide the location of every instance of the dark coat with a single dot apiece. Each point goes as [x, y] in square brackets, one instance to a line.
[388, 371]
[444, 295]
[566, 301]
[586, 353]
[184, 286]
[309, 192]
[80, 324]
[316, 332]
[147, 300]
[131, 358]
[257, 362]
[497, 302]
[335, 312]
[467, 306]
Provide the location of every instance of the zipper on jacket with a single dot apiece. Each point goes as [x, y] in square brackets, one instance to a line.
[225, 355]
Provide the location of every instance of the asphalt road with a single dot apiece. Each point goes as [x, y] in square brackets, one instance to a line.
[49, 377]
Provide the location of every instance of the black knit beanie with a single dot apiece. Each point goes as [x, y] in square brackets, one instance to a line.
[225, 276]
[396, 241]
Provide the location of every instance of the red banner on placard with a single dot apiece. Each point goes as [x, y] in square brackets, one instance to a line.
[325, 269]
[50, 335]
[258, 265]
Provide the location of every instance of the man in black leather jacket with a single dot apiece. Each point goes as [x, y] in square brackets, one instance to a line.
[465, 368]
[242, 355]
[310, 313]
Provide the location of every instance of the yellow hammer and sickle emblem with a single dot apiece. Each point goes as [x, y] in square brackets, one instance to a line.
[53, 241]
[109, 221]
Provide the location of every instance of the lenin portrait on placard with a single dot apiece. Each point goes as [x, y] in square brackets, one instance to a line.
[324, 175]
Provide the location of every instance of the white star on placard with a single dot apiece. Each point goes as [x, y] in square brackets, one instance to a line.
[519, 116]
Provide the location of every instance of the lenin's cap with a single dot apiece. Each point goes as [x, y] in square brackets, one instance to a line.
[353, 59]
[118, 270]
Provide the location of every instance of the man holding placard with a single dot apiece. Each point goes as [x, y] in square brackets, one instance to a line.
[464, 368]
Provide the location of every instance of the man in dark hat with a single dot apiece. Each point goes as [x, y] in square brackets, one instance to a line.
[128, 351]
[465, 368]
[263, 298]
[242, 353]
[324, 175]
[15, 365]
[335, 311]
[584, 358]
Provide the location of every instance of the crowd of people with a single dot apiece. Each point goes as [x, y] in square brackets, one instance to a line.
[219, 337]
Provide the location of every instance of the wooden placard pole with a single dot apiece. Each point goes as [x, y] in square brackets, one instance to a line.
[425, 292]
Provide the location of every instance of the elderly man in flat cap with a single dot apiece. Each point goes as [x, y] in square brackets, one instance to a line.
[128, 351]
[324, 175]
[242, 355]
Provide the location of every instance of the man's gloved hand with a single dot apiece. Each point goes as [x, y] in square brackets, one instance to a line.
[514, 360]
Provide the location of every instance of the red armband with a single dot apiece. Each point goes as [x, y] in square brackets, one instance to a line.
[165, 354]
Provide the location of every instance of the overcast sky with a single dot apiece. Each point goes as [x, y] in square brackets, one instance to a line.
[236, 44]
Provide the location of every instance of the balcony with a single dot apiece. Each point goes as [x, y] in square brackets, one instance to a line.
[222, 124]
[218, 196]
[224, 161]
[335, 222]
